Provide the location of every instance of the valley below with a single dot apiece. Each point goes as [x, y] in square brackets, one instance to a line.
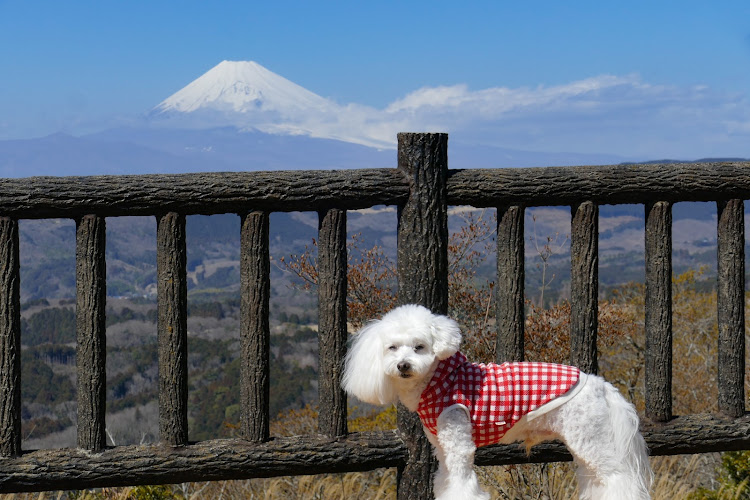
[48, 288]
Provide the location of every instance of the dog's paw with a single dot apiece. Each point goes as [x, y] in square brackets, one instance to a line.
[462, 492]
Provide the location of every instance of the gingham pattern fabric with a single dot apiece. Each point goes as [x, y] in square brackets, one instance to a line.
[497, 396]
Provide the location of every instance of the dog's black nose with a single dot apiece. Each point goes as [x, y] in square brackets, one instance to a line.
[404, 367]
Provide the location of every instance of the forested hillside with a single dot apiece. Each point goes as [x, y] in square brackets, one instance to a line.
[48, 387]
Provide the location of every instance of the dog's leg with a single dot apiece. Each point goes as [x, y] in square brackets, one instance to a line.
[441, 475]
[456, 479]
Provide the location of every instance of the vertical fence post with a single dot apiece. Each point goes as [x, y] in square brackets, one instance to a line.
[91, 343]
[658, 307]
[510, 284]
[332, 334]
[10, 340]
[422, 275]
[731, 306]
[255, 333]
[172, 328]
[584, 285]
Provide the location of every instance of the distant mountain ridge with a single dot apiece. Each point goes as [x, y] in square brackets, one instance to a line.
[213, 243]
[700, 160]
[144, 150]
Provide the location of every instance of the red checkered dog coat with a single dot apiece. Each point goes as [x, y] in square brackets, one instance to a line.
[495, 396]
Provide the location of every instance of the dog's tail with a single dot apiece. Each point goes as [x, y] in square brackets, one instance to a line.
[630, 445]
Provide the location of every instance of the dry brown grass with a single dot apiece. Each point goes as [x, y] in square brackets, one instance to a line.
[676, 478]
[376, 485]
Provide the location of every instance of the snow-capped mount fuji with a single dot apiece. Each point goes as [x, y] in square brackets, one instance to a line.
[243, 87]
[245, 95]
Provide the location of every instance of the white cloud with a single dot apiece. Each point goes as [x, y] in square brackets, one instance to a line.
[604, 114]
[494, 102]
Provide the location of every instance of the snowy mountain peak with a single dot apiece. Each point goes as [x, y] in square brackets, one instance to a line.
[242, 87]
[249, 97]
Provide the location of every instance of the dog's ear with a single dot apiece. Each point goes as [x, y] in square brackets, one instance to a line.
[364, 370]
[446, 336]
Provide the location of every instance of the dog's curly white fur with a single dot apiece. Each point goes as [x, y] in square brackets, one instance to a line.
[394, 358]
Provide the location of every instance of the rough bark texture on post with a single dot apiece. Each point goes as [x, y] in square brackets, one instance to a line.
[172, 328]
[510, 284]
[10, 340]
[91, 337]
[332, 333]
[731, 306]
[422, 275]
[658, 304]
[255, 333]
[584, 285]
[423, 222]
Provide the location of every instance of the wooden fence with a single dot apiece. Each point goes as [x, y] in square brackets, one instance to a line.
[422, 187]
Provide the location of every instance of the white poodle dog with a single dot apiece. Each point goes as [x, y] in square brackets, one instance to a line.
[411, 355]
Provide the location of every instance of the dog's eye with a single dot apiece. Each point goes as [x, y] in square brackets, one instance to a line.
[419, 347]
[391, 347]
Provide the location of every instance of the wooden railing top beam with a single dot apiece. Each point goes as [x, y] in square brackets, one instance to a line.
[306, 190]
[203, 193]
[609, 184]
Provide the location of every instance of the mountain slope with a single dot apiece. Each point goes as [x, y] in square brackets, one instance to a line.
[62, 154]
[228, 148]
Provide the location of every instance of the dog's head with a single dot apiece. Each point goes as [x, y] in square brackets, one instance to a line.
[404, 345]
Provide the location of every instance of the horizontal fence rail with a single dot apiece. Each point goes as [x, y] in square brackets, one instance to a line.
[211, 193]
[605, 185]
[422, 187]
[232, 459]
[305, 190]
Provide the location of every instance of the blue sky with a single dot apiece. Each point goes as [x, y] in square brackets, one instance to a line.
[662, 77]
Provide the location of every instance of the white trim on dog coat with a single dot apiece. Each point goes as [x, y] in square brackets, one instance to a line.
[495, 396]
